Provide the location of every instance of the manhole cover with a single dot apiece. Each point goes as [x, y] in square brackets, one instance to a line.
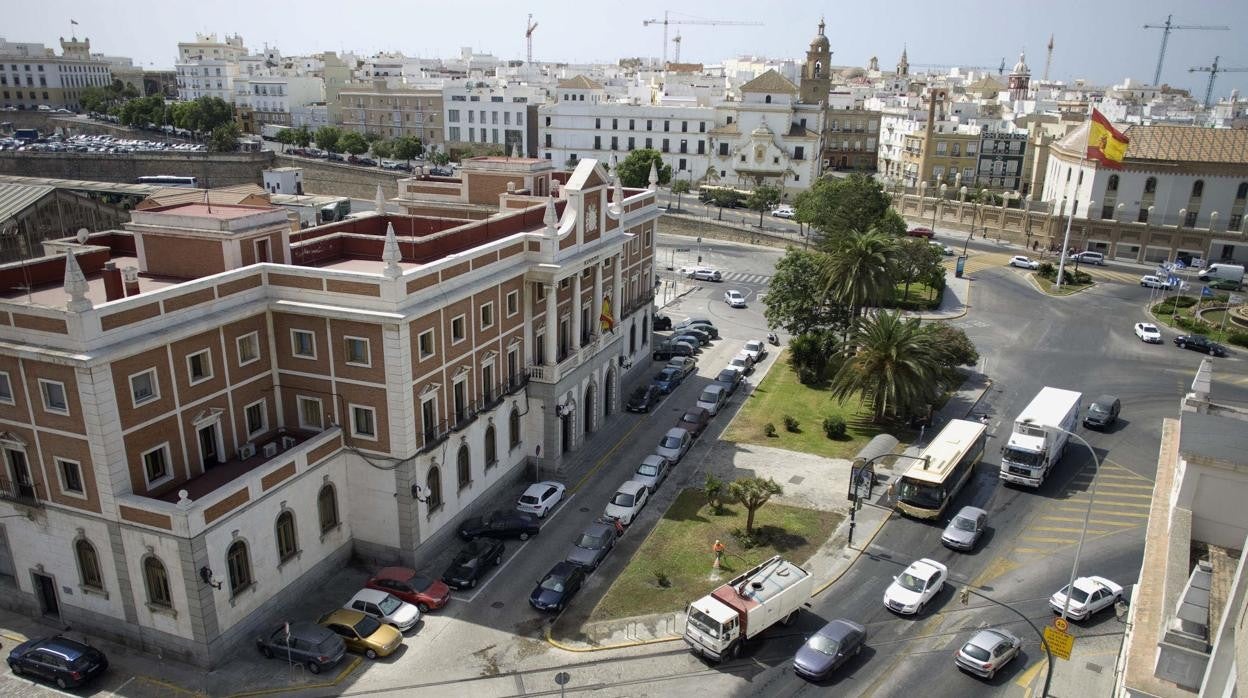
[796, 480]
[1094, 667]
[584, 509]
[497, 604]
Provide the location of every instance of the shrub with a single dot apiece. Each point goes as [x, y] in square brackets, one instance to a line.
[1047, 270]
[714, 492]
[769, 429]
[662, 579]
[791, 423]
[1080, 277]
[1238, 338]
[1185, 301]
[746, 540]
[834, 427]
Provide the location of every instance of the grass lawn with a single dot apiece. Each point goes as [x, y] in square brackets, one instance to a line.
[920, 297]
[1067, 289]
[781, 393]
[680, 547]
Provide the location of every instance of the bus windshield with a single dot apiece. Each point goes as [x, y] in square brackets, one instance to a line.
[925, 495]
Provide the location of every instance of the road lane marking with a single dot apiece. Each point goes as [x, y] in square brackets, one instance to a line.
[1065, 529]
[1041, 539]
[563, 506]
[1028, 677]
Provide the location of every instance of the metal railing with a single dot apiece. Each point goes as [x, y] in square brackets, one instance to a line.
[29, 494]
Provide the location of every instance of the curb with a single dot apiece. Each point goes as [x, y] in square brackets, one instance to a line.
[860, 550]
[1031, 279]
[602, 648]
[342, 675]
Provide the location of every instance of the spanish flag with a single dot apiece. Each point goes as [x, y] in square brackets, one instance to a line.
[1106, 144]
[605, 319]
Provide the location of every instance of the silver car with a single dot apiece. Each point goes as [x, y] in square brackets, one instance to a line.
[987, 651]
[674, 444]
[964, 530]
[652, 472]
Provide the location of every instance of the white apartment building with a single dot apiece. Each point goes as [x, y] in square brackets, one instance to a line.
[272, 99]
[32, 75]
[206, 67]
[490, 113]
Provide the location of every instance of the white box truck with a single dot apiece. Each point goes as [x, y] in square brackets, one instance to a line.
[1232, 273]
[717, 624]
[1039, 437]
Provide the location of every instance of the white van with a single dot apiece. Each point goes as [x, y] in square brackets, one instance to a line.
[1224, 272]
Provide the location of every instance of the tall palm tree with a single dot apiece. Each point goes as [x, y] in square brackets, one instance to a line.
[896, 365]
[858, 270]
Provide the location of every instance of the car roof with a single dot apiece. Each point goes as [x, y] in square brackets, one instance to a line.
[346, 616]
[926, 566]
[653, 459]
[714, 387]
[678, 432]
[369, 596]
[540, 487]
[306, 630]
[701, 411]
[1105, 399]
[67, 648]
[599, 527]
[971, 512]
[840, 628]
[630, 487]
[989, 638]
[397, 573]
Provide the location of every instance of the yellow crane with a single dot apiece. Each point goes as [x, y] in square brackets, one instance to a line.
[711, 22]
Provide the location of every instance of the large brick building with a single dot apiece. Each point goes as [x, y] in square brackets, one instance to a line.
[204, 413]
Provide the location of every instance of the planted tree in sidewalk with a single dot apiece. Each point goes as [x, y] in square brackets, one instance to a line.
[352, 143]
[725, 198]
[713, 490]
[914, 260]
[763, 199]
[752, 493]
[679, 188]
[837, 206]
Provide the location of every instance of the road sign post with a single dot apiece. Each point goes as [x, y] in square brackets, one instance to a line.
[1060, 643]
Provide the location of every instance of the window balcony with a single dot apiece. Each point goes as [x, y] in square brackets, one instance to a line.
[27, 494]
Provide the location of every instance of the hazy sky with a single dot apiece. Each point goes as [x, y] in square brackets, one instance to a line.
[1101, 40]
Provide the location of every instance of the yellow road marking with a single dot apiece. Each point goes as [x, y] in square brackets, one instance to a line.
[1031, 550]
[1039, 539]
[607, 455]
[998, 566]
[1028, 677]
[1065, 529]
[1110, 513]
[1111, 495]
[1122, 486]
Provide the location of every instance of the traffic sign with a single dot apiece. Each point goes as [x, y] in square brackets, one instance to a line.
[682, 249]
[1060, 643]
[1060, 623]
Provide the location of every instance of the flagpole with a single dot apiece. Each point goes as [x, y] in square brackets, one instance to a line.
[1061, 259]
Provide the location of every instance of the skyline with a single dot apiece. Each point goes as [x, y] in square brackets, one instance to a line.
[1082, 50]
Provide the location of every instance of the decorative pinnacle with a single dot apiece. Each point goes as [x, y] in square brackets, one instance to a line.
[75, 284]
[551, 219]
[654, 176]
[380, 203]
[390, 254]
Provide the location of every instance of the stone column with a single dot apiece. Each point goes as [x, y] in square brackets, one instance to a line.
[526, 300]
[597, 306]
[576, 310]
[552, 325]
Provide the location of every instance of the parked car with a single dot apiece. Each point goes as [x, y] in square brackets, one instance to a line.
[667, 380]
[1091, 595]
[408, 585]
[1148, 332]
[699, 336]
[921, 232]
[644, 399]
[556, 589]
[59, 660]
[1151, 281]
[669, 349]
[988, 651]
[500, 524]
[694, 420]
[334, 157]
[540, 498]
[915, 587]
[829, 648]
[1089, 258]
[627, 502]
[652, 472]
[1201, 343]
[783, 211]
[756, 349]
[591, 547]
[470, 564]
[309, 644]
[713, 399]
[743, 363]
[965, 528]
[363, 633]
[697, 323]
[662, 323]
[734, 299]
[684, 364]
[1024, 262]
[1103, 412]
[704, 274]
[1225, 285]
[674, 444]
[385, 607]
[730, 378]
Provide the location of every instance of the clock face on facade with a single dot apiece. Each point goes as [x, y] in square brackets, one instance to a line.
[591, 218]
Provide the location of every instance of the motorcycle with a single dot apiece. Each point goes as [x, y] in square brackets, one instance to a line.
[773, 339]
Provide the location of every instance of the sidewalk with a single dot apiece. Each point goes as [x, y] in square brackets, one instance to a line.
[953, 304]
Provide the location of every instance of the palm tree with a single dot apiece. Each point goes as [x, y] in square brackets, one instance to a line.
[858, 270]
[896, 366]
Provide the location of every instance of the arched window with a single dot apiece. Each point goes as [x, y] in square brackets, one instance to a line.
[327, 507]
[1198, 188]
[491, 447]
[239, 565]
[513, 428]
[818, 69]
[284, 532]
[767, 99]
[1242, 191]
[88, 564]
[463, 466]
[434, 483]
[1113, 183]
[157, 582]
[1150, 185]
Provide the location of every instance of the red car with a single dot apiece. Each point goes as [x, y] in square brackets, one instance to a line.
[408, 585]
[920, 232]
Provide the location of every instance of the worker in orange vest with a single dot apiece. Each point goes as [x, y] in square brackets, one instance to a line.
[718, 549]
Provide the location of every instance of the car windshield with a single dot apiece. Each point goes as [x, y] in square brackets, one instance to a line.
[590, 541]
[708, 396]
[691, 417]
[1148, 328]
[823, 644]
[963, 523]
[366, 626]
[973, 650]
[464, 569]
[708, 625]
[1079, 596]
[648, 470]
[639, 394]
[1028, 458]
[753, 346]
[738, 362]
[726, 376]
[1098, 408]
[670, 442]
[553, 584]
[911, 582]
[622, 499]
[389, 605]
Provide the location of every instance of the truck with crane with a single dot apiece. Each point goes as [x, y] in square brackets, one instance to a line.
[1040, 435]
[717, 624]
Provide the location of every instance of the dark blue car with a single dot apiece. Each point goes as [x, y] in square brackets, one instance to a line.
[556, 589]
[668, 380]
[64, 662]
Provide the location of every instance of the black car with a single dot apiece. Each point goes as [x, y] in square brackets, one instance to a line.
[667, 350]
[701, 325]
[694, 342]
[591, 547]
[309, 644]
[1103, 412]
[730, 379]
[366, 162]
[500, 524]
[828, 649]
[64, 662]
[556, 589]
[1201, 343]
[335, 157]
[472, 562]
[662, 323]
[698, 332]
[644, 399]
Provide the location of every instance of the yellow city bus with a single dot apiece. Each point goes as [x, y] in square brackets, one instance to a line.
[928, 487]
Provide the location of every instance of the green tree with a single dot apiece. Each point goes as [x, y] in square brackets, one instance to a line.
[752, 493]
[895, 366]
[327, 138]
[408, 147]
[725, 198]
[797, 299]
[713, 490]
[680, 187]
[952, 346]
[143, 111]
[634, 171]
[352, 143]
[285, 136]
[371, 137]
[913, 260]
[224, 138]
[763, 199]
[836, 206]
[439, 158]
[301, 136]
[858, 269]
[384, 150]
[814, 355]
[213, 112]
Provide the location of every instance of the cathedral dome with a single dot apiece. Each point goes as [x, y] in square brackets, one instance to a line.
[1020, 68]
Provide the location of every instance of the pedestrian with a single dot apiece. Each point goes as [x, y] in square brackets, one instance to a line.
[619, 527]
[888, 493]
[718, 548]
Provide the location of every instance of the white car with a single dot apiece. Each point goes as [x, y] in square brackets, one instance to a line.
[1091, 594]
[734, 298]
[674, 444]
[386, 608]
[1148, 332]
[742, 363]
[705, 274]
[913, 588]
[627, 502]
[1023, 262]
[783, 212]
[540, 498]
[1150, 281]
[652, 472]
[756, 349]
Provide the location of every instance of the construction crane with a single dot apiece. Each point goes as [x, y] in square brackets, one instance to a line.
[528, 36]
[1213, 71]
[1165, 36]
[676, 58]
[713, 22]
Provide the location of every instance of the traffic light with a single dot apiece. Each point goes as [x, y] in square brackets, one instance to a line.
[966, 595]
[699, 259]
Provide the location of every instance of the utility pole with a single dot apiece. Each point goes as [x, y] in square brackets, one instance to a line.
[1165, 37]
[1213, 71]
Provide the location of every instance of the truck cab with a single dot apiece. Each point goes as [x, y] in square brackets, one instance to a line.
[1024, 461]
[710, 628]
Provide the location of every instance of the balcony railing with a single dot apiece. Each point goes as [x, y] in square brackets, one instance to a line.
[29, 494]
[432, 435]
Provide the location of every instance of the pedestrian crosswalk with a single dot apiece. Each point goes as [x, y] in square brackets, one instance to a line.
[1122, 502]
[978, 261]
[762, 279]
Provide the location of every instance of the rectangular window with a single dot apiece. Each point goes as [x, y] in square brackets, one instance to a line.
[54, 399]
[257, 418]
[597, 123]
[357, 351]
[364, 422]
[6, 389]
[303, 344]
[459, 401]
[487, 316]
[615, 143]
[632, 143]
[457, 329]
[156, 464]
[597, 142]
[143, 387]
[513, 303]
[723, 149]
[424, 344]
[248, 348]
[199, 366]
[71, 476]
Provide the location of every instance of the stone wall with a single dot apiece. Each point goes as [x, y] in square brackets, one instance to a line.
[334, 179]
[692, 226]
[212, 169]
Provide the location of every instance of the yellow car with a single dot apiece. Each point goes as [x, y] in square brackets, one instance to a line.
[363, 633]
